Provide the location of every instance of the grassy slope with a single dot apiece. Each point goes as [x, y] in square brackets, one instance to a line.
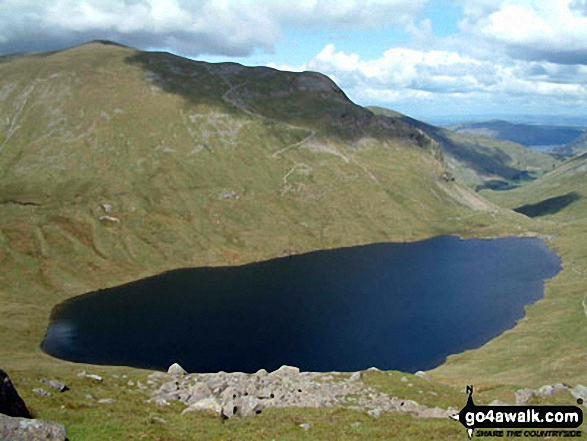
[479, 160]
[160, 139]
[549, 343]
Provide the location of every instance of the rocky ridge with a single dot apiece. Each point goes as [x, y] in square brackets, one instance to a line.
[239, 394]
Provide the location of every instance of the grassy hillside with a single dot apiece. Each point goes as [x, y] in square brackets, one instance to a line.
[481, 161]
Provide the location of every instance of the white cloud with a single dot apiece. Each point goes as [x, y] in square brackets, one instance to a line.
[223, 27]
[402, 75]
[553, 30]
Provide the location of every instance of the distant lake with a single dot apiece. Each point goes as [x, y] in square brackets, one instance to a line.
[403, 306]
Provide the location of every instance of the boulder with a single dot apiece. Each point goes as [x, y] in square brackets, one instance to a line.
[356, 376]
[524, 395]
[42, 392]
[54, 384]
[10, 402]
[423, 375]
[21, 429]
[285, 371]
[205, 405]
[176, 370]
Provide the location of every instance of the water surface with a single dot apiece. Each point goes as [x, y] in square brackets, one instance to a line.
[403, 306]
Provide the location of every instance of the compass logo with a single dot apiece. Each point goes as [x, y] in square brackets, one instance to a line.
[474, 417]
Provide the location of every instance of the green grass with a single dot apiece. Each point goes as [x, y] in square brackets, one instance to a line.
[151, 135]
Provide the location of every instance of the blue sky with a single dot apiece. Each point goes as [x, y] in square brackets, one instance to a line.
[426, 58]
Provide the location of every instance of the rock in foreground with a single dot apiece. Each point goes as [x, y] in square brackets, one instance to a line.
[21, 429]
[10, 402]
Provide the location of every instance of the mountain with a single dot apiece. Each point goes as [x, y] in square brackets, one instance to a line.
[117, 164]
[530, 135]
[480, 161]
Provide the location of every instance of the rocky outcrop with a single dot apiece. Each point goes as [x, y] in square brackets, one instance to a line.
[242, 395]
[21, 429]
[10, 402]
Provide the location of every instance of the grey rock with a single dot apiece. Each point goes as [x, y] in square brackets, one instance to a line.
[228, 195]
[10, 402]
[305, 426]
[205, 405]
[161, 402]
[524, 395]
[375, 413]
[176, 370]
[404, 379]
[198, 392]
[373, 369]
[409, 406]
[157, 420]
[423, 375]
[356, 425]
[286, 371]
[21, 429]
[433, 412]
[580, 391]
[84, 374]
[356, 376]
[261, 373]
[42, 392]
[498, 403]
[55, 384]
[106, 401]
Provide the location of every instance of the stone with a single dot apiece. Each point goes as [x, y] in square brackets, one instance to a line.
[10, 402]
[248, 406]
[176, 370]
[205, 405]
[580, 391]
[375, 412]
[356, 376]
[404, 379]
[106, 401]
[373, 369]
[84, 374]
[409, 406]
[157, 420]
[261, 373]
[305, 426]
[356, 425]
[198, 392]
[524, 395]
[55, 384]
[433, 412]
[286, 371]
[498, 403]
[423, 375]
[42, 392]
[20, 429]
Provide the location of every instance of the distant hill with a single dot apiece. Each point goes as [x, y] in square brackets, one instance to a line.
[480, 161]
[561, 193]
[574, 147]
[530, 135]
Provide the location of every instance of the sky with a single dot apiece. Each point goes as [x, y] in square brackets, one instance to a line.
[470, 59]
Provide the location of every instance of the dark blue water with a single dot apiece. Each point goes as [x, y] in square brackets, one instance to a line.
[403, 306]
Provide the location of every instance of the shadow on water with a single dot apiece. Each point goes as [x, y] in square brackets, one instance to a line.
[549, 206]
